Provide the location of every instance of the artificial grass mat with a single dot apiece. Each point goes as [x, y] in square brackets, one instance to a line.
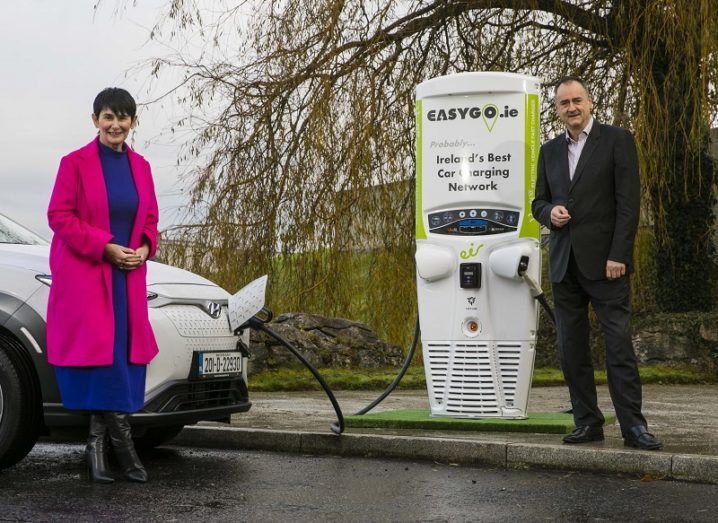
[542, 422]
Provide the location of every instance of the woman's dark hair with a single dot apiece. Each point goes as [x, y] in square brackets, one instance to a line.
[115, 99]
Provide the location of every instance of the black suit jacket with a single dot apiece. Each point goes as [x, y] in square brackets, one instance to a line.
[603, 200]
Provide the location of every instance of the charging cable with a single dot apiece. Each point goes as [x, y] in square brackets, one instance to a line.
[258, 322]
[404, 368]
[536, 291]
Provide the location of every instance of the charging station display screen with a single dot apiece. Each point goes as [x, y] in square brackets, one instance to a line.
[475, 222]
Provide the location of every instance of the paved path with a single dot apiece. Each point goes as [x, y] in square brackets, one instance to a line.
[684, 417]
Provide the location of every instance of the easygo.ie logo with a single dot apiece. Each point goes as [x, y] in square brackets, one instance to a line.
[489, 113]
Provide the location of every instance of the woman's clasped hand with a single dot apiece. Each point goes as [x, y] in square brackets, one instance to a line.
[125, 258]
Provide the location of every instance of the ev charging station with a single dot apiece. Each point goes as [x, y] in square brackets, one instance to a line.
[478, 261]
[477, 243]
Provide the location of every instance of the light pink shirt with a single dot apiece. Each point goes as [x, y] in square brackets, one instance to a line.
[576, 146]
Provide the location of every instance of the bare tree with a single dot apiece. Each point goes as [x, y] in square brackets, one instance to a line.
[304, 121]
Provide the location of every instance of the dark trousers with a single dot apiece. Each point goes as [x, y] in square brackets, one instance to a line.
[611, 302]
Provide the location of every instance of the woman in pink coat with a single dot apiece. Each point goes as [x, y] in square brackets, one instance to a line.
[103, 213]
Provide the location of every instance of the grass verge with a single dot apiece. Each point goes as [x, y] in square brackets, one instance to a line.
[297, 379]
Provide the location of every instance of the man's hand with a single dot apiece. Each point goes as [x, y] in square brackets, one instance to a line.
[615, 269]
[559, 216]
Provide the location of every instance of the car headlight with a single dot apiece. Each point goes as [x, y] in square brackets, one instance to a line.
[44, 278]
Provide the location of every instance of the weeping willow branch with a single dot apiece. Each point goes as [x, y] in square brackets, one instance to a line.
[303, 113]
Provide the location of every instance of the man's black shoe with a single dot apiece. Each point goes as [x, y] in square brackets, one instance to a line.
[640, 438]
[584, 434]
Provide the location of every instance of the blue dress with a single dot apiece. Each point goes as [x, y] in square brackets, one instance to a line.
[119, 387]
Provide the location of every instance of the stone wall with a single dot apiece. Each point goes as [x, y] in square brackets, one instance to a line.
[324, 342]
[670, 339]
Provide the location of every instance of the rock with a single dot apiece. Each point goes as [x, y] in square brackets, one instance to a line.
[709, 330]
[680, 338]
[324, 342]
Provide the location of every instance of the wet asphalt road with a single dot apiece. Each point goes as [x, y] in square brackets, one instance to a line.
[212, 485]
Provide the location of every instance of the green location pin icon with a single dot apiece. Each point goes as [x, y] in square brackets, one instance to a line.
[490, 114]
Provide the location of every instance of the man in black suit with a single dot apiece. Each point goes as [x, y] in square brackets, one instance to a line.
[588, 195]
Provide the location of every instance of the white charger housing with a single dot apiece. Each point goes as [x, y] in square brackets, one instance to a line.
[477, 147]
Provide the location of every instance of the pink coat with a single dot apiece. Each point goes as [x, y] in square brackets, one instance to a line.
[80, 318]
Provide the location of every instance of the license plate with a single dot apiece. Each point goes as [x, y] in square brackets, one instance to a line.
[219, 364]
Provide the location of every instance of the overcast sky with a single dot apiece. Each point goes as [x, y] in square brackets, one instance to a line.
[56, 55]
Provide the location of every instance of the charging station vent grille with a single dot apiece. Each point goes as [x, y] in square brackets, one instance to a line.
[509, 359]
[479, 379]
[471, 382]
[438, 368]
[463, 379]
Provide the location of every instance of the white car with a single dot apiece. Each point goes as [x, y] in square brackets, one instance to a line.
[199, 373]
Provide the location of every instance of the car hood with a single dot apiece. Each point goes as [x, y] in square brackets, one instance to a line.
[30, 257]
[35, 258]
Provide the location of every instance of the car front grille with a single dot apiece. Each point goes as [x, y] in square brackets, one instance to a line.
[191, 321]
[198, 330]
[199, 395]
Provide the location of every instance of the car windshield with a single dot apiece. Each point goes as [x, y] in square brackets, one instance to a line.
[12, 232]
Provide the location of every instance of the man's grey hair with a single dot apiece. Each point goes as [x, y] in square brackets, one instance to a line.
[568, 79]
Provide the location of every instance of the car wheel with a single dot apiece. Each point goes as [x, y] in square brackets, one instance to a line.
[156, 436]
[20, 403]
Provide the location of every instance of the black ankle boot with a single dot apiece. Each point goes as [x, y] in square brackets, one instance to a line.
[118, 426]
[96, 451]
